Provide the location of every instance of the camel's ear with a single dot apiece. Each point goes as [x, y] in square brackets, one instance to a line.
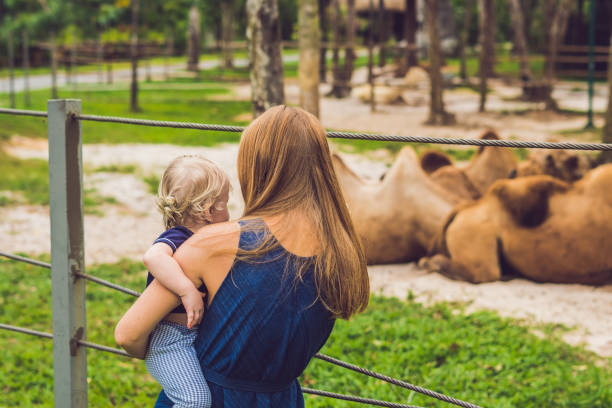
[432, 160]
[571, 163]
[526, 199]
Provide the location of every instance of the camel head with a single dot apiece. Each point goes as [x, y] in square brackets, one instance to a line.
[526, 199]
[490, 164]
[561, 164]
[432, 160]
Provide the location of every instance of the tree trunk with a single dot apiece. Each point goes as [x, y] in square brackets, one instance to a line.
[556, 32]
[336, 51]
[487, 29]
[11, 61]
[53, 52]
[309, 44]
[485, 40]
[342, 74]
[100, 58]
[168, 53]
[26, 67]
[520, 42]
[134, 58]
[410, 30]
[468, 9]
[606, 137]
[382, 33]
[265, 55]
[324, 38]
[193, 39]
[371, 55]
[437, 114]
[227, 31]
[109, 72]
[73, 63]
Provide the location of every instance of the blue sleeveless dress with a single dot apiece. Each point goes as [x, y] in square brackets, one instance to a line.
[260, 330]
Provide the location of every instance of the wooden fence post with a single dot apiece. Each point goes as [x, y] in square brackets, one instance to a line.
[67, 253]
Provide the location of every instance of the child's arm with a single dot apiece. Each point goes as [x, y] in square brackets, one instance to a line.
[158, 260]
[132, 331]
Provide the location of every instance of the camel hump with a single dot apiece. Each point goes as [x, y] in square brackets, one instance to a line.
[527, 199]
[432, 160]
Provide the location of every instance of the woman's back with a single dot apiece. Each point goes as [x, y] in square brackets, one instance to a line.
[262, 327]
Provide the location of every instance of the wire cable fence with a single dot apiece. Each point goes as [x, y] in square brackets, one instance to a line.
[336, 134]
[67, 260]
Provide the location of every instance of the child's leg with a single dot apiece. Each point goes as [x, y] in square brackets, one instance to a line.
[172, 361]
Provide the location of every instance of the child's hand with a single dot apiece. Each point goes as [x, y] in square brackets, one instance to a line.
[194, 306]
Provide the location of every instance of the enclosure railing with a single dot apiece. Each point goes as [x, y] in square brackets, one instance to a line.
[67, 247]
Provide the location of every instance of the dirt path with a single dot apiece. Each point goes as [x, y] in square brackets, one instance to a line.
[126, 230]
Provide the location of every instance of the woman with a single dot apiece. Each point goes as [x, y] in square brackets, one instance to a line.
[276, 279]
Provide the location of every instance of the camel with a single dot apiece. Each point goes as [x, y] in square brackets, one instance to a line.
[397, 217]
[540, 227]
[562, 164]
[471, 182]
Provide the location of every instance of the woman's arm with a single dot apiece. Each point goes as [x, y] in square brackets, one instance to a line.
[205, 257]
[132, 331]
[158, 260]
[209, 254]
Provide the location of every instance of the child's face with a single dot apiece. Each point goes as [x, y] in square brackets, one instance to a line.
[219, 211]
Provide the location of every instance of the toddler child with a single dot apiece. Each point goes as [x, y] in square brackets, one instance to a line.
[193, 192]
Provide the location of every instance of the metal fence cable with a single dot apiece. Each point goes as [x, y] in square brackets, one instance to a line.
[26, 331]
[26, 260]
[103, 348]
[160, 123]
[21, 112]
[356, 399]
[395, 381]
[50, 336]
[335, 134]
[107, 284]
[362, 136]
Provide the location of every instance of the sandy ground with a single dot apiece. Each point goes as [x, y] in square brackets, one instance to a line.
[127, 228]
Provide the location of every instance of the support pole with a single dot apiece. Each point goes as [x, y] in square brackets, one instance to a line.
[11, 58]
[67, 253]
[26, 67]
[589, 124]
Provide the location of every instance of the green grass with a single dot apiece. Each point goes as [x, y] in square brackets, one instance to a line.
[157, 101]
[152, 182]
[114, 168]
[29, 178]
[505, 65]
[479, 357]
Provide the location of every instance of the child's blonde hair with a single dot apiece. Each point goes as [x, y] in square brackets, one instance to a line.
[188, 189]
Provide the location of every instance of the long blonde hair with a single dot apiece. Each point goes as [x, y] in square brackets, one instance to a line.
[284, 164]
[188, 189]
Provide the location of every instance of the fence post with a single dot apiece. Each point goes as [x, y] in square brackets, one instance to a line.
[67, 253]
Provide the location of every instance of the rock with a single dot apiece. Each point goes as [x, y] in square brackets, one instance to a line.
[384, 95]
[416, 77]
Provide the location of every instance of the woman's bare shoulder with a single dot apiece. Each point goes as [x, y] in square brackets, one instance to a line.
[222, 235]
